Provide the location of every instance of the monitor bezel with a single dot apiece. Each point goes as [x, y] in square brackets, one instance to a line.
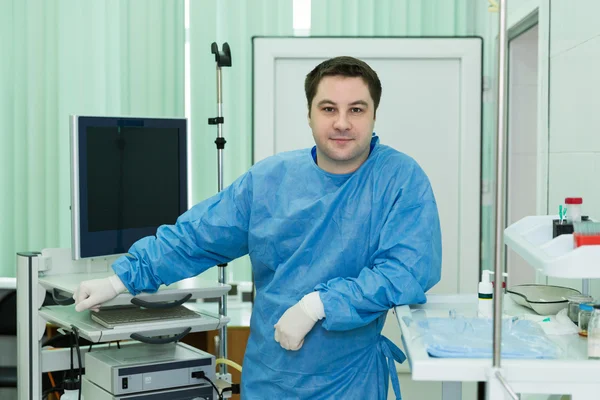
[85, 244]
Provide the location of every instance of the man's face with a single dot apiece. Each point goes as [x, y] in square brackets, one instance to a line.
[342, 117]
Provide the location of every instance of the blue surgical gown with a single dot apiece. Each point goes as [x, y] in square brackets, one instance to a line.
[367, 241]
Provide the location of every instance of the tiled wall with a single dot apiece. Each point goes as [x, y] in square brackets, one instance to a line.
[574, 147]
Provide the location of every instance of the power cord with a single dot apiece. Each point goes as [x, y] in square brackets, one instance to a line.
[235, 388]
[73, 342]
[202, 375]
[76, 334]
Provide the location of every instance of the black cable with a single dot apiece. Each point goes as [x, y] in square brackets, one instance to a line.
[79, 361]
[220, 394]
[235, 388]
[76, 332]
[62, 341]
[71, 371]
[52, 341]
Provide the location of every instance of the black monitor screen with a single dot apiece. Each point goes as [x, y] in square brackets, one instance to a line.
[131, 179]
[125, 168]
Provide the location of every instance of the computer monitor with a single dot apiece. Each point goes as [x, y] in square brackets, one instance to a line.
[128, 177]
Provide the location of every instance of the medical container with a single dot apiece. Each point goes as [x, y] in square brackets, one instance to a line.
[573, 209]
[585, 314]
[485, 308]
[574, 302]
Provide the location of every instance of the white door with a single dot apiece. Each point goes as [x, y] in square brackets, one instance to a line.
[430, 109]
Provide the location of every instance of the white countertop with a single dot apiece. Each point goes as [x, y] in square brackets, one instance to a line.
[572, 366]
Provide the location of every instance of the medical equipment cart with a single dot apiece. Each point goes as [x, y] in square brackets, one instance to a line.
[54, 271]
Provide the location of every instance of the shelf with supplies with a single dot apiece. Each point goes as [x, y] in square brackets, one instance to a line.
[531, 238]
[66, 317]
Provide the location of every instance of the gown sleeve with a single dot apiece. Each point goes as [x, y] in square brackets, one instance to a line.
[212, 232]
[405, 265]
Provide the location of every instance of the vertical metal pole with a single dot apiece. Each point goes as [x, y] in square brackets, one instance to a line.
[222, 275]
[500, 168]
[29, 367]
[219, 128]
[496, 381]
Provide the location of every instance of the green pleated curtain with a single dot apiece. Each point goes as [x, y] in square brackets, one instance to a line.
[63, 57]
[114, 57]
[234, 22]
[393, 17]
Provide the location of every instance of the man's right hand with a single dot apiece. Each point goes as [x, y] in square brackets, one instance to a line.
[91, 294]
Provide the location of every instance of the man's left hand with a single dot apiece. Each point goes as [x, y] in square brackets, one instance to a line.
[298, 320]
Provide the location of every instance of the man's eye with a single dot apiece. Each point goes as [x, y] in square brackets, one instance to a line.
[328, 109]
[356, 110]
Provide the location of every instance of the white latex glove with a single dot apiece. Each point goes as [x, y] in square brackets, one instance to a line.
[90, 294]
[298, 320]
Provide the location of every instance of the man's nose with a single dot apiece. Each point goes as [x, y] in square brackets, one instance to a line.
[342, 122]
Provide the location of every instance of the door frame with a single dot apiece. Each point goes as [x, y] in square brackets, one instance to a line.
[523, 17]
[520, 19]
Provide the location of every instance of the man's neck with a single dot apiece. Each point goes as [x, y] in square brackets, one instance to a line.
[339, 167]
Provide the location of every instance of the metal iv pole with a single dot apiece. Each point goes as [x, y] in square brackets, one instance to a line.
[496, 379]
[222, 59]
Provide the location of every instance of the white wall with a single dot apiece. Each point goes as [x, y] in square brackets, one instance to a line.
[574, 148]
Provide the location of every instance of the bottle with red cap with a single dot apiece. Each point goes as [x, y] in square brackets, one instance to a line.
[573, 209]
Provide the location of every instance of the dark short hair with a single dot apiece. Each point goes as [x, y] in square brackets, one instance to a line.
[342, 66]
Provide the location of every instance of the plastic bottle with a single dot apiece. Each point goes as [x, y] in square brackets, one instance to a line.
[573, 209]
[485, 304]
[71, 387]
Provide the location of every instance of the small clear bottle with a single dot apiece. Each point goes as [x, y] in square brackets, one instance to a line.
[586, 310]
[574, 302]
[573, 209]
[594, 334]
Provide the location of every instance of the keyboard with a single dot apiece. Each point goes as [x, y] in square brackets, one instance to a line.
[114, 317]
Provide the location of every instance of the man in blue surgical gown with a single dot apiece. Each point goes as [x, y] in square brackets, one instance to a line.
[337, 235]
